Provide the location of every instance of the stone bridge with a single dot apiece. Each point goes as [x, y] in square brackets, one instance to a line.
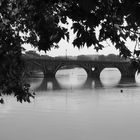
[93, 68]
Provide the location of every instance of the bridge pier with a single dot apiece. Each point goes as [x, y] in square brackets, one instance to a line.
[48, 71]
[128, 72]
[49, 74]
[93, 83]
[45, 84]
[94, 73]
[126, 80]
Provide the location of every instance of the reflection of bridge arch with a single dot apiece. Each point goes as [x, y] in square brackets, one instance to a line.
[50, 67]
[95, 83]
[90, 83]
[127, 82]
[45, 85]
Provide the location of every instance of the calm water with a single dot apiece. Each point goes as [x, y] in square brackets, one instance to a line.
[73, 107]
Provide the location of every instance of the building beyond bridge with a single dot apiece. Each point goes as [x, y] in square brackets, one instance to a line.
[93, 68]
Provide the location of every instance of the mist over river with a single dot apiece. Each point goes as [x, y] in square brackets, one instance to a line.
[74, 107]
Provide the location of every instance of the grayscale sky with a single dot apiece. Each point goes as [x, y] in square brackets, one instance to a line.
[66, 48]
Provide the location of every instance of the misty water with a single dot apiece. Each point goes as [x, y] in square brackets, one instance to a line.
[74, 107]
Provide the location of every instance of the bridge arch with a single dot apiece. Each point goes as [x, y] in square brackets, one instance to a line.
[32, 66]
[111, 70]
[110, 76]
[71, 66]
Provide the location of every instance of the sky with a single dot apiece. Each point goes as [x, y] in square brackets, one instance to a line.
[67, 48]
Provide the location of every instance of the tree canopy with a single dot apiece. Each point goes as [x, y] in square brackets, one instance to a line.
[38, 22]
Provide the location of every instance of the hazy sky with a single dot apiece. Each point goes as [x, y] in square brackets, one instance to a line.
[66, 48]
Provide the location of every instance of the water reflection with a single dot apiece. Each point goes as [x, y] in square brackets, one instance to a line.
[89, 83]
[92, 83]
[71, 82]
[127, 82]
[54, 84]
[78, 80]
[49, 84]
[34, 82]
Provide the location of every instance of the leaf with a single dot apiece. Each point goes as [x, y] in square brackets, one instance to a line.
[124, 51]
[64, 20]
[15, 11]
[100, 46]
[101, 34]
[76, 27]
[67, 36]
[133, 37]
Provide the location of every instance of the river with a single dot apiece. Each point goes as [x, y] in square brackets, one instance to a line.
[74, 107]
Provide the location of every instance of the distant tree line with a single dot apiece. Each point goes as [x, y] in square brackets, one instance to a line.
[110, 57]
